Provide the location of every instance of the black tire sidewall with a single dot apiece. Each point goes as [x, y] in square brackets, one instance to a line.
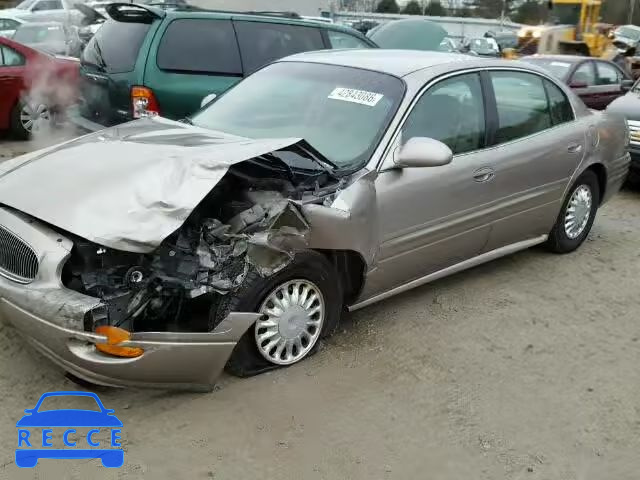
[308, 265]
[559, 239]
[17, 129]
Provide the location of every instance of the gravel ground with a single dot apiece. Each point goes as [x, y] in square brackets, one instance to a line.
[525, 368]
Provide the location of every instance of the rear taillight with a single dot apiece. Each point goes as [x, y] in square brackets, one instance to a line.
[143, 102]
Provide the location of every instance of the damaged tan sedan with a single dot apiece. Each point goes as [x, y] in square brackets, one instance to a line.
[156, 253]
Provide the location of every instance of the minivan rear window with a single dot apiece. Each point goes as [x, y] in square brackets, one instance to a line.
[200, 46]
[115, 46]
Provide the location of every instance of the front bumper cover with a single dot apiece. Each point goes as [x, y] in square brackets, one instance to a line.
[52, 317]
[170, 360]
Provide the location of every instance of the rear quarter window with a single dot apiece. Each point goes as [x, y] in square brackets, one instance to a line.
[116, 45]
[200, 46]
[262, 42]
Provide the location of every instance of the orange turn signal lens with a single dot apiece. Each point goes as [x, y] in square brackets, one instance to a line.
[115, 336]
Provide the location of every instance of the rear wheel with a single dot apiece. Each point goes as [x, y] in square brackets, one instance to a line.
[30, 117]
[577, 215]
[302, 303]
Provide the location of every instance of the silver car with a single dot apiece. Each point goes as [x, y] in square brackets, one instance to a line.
[156, 253]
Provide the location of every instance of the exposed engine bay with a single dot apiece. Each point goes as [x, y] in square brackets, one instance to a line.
[251, 220]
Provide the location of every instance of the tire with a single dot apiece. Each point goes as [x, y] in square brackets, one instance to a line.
[633, 180]
[565, 239]
[18, 128]
[307, 269]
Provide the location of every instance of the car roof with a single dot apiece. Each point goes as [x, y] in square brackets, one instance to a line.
[270, 17]
[564, 58]
[394, 62]
[42, 24]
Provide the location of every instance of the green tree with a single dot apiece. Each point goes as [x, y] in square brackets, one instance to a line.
[530, 12]
[490, 8]
[387, 6]
[436, 9]
[412, 8]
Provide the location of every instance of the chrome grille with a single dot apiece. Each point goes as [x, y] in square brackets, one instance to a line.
[18, 261]
[634, 132]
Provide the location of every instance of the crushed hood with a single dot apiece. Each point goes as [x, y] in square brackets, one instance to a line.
[127, 187]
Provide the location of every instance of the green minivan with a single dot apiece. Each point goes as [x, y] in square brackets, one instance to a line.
[147, 60]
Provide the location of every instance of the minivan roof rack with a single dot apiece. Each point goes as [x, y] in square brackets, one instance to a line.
[183, 7]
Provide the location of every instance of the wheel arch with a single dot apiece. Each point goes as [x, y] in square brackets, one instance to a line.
[601, 173]
[351, 268]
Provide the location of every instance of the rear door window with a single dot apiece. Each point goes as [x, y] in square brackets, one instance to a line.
[607, 74]
[559, 104]
[344, 40]
[115, 46]
[200, 46]
[48, 5]
[262, 42]
[522, 105]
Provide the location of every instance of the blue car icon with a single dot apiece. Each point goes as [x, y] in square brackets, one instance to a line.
[110, 457]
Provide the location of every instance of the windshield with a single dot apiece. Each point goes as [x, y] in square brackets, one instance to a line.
[342, 112]
[557, 68]
[39, 34]
[25, 5]
[627, 32]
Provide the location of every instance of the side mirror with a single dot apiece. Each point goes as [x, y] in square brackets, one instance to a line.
[627, 85]
[209, 98]
[423, 152]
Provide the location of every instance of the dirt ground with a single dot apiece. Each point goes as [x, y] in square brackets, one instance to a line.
[524, 368]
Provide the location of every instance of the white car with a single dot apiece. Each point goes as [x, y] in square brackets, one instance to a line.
[8, 25]
[44, 11]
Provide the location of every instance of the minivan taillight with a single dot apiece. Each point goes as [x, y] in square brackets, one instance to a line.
[143, 102]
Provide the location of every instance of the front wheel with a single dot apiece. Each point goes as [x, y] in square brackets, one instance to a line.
[301, 304]
[577, 215]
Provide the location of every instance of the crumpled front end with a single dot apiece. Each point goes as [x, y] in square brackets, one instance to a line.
[54, 318]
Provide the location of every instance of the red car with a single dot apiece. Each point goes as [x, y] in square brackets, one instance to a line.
[596, 81]
[36, 87]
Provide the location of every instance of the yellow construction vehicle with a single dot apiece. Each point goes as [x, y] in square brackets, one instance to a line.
[575, 30]
[586, 38]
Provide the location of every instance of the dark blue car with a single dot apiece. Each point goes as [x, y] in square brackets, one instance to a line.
[110, 457]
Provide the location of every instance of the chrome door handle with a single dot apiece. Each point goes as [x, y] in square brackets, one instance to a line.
[574, 148]
[484, 174]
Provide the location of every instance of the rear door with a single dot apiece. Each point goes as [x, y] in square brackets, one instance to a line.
[261, 42]
[108, 69]
[538, 144]
[609, 79]
[12, 65]
[191, 59]
[583, 82]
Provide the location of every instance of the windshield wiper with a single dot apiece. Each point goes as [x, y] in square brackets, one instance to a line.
[305, 149]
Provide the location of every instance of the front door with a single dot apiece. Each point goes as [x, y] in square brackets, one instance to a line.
[12, 66]
[433, 217]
